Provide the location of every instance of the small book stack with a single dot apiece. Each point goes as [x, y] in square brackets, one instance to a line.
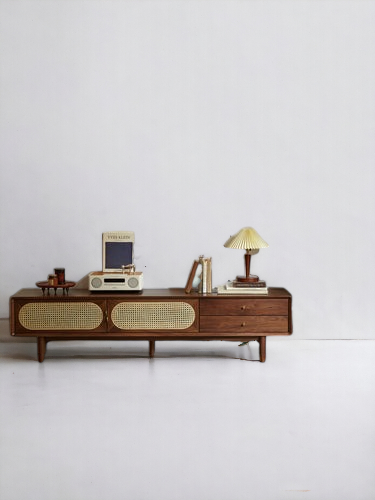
[235, 287]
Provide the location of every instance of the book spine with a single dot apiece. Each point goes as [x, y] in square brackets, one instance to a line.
[206, 277]
[209, 275]
[200, 286]
[258, 284]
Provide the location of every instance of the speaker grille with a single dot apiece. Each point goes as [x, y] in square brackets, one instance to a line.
[60, 316]
[133, 282]
[153, 315]
[96, 282]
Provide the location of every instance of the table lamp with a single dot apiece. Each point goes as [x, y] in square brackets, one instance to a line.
[249, 240]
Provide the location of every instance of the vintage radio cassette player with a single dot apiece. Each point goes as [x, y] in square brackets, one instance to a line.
[124, 281]
[118, 272]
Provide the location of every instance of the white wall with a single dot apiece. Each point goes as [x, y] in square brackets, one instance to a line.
[185, 121]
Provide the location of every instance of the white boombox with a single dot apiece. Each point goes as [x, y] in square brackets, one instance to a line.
[118, 269]
[123, 282]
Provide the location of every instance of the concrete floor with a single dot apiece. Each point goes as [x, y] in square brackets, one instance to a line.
[201, 421]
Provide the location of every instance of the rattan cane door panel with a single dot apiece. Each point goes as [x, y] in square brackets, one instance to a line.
[152, 316]
[54, 316]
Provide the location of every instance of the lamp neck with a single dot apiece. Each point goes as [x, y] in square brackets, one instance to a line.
[247, 263]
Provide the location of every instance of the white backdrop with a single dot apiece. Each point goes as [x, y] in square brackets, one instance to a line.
[184, 121]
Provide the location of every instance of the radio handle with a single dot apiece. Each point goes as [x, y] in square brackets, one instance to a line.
[128, 269]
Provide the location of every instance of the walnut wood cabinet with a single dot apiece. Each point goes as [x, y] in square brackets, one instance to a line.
[160, 314]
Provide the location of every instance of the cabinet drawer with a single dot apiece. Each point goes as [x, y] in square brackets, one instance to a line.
[244, 324]
[244, 306]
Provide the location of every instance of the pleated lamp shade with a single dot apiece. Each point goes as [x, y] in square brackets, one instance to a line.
[247, 238]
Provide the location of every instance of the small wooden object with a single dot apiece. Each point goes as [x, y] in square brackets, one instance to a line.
[44, 285]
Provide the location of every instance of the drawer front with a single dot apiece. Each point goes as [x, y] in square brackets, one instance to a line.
[244, 306]
[60, 316]
[153, 316]
[243, 325]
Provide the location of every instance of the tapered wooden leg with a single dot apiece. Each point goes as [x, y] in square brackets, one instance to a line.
[262, 349]
[41, 349]
[151, 348]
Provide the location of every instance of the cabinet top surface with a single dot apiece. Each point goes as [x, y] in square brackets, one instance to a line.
[36, 293]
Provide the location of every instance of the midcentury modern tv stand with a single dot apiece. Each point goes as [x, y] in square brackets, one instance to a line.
[165, 314]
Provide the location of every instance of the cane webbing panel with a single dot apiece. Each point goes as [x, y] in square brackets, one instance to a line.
[153, 315]
[60, 316]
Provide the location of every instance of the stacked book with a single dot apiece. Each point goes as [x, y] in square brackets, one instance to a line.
[205, 285]
[235, 287]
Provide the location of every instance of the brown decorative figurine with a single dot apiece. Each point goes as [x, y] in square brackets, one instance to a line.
[60, 273]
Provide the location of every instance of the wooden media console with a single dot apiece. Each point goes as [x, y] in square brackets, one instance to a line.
[159, 314]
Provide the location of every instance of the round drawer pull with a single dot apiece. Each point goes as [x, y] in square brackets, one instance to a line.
[243, 324]
[243, 308]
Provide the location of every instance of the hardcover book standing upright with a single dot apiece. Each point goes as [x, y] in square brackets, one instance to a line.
[206, 277]
[117, 251]
[200, 276]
